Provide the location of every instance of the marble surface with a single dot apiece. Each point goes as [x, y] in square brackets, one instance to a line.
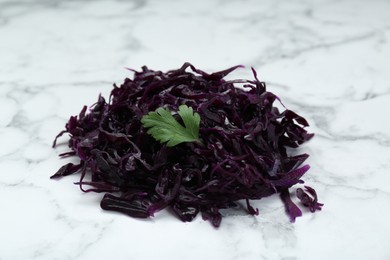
[328, 60]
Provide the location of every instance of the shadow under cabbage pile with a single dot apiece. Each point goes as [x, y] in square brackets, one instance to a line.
[242, 154]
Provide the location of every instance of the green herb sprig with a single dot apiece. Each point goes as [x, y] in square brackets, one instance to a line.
[166, 129]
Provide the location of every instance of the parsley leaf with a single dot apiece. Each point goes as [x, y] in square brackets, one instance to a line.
[165, 128]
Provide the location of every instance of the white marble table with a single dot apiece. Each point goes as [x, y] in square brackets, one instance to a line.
[327, 60]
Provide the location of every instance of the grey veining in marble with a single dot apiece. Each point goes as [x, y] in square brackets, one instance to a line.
[328, 60]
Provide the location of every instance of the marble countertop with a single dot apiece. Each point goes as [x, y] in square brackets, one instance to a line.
[328, 60]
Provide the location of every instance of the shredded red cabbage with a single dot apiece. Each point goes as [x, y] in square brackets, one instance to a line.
[242, 155]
